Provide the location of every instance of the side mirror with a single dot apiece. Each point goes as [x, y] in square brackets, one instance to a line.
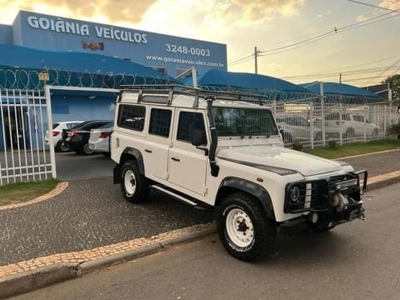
[398, 109]
[199, 138]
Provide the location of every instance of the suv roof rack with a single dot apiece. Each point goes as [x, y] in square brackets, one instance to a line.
[192, 91]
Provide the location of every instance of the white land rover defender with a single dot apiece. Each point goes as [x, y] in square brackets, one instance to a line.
[220, 151]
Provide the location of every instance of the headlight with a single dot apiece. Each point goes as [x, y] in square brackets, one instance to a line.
[295, 194]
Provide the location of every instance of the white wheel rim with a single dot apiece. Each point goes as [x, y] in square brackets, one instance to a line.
[87, 149]
[130, 182]
[239, 228]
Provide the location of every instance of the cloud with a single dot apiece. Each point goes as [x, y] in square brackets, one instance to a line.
[256, 10]
[117, 11]
[385, 4]
[110, 10]
[390, 4]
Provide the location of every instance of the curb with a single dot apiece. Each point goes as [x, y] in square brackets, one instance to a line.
[13, 285]
[26, 282]
[380, 181]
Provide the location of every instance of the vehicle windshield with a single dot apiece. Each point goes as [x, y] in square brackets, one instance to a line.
[243, 121]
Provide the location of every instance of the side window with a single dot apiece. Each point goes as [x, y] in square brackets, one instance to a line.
[187, 124]
[289, 121]
[346, 117]
[131, 117]
[160, 122]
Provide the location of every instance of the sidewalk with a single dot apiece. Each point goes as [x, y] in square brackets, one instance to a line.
[86, 225]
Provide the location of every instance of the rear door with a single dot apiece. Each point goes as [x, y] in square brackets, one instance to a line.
[158, 142]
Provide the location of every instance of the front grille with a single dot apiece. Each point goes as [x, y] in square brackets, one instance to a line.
[315, 195]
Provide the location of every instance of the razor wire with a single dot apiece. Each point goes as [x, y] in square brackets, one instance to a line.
[16, 78]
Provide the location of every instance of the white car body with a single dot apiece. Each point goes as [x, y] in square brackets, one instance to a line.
[297, 128]
[57, 131]
[99, 140]
[348, 125]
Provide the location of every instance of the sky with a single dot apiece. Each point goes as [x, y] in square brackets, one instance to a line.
[348, 41]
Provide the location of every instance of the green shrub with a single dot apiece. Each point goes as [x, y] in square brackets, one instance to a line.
[297, 146]
[394, 129]
[332, 144]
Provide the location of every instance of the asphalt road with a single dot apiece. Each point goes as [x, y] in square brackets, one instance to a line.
[71, 166]
[355, 261]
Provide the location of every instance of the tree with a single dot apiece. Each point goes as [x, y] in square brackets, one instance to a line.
[394, 83]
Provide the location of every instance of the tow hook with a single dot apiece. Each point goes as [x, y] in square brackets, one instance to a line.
[362, 215]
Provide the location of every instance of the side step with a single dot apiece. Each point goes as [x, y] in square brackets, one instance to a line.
[175, 195]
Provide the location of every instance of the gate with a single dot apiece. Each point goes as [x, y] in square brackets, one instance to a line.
[24, 120]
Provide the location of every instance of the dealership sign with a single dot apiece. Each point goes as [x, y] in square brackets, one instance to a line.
[170, 54]
[71, 27]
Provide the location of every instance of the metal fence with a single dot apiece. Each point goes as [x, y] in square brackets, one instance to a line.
[23, 157]
[316, 124]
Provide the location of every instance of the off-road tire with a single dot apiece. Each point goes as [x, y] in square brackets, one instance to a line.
[243, 228]
[134, 186]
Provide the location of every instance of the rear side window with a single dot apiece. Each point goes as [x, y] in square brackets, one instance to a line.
[55, 125]
[131, 117]
[160, 122]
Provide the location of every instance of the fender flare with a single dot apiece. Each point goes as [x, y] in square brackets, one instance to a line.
[253, 189]
[128, 153]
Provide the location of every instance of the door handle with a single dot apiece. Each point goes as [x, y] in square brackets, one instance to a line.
[175, 159]
[148, 151]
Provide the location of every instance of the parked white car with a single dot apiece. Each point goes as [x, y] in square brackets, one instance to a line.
[297, 128]
[99, 140]
[349, 125]
[57, 134]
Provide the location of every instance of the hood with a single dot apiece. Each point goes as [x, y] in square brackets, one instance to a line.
[279, 157]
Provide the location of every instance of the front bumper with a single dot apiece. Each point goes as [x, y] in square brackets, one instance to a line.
[335, 200]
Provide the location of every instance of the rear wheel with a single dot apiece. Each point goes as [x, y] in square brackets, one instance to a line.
[243, 228]
[134, 186]
[62, 147]
[350, 133]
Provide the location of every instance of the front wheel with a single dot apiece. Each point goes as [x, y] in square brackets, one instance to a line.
[134, 186]
[86, 150]
[243, 228]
